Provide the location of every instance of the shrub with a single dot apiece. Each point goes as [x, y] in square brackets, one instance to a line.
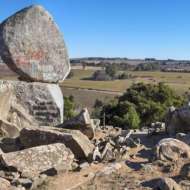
[69, 107]
[141, 105]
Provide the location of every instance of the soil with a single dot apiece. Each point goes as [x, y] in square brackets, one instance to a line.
[136, 172]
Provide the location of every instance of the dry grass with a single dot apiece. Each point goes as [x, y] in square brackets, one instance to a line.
[178, 81]
[86, 92]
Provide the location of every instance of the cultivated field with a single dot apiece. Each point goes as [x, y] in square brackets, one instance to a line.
[179, 81]
[87, 91]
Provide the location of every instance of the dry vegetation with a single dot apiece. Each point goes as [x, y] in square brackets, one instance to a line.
[179, 81]
[106, 90]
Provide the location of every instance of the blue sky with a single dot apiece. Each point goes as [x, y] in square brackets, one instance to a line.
[118, 28]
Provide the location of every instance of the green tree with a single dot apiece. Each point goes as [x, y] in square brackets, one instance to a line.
[141, 105]
[69, 107]
[111, 70]
[128, 119]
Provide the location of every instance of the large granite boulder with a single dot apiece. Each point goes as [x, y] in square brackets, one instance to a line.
[25, 104]
[33, 47]
[34, 161]
[81, 122]
[79, 144]
[178, 121]
[172, 150]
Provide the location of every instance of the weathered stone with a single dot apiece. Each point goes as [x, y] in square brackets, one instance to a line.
[33, 47]
[178, 121]
[75, 140]
[185, 184]
[97, 155]
[4, 184]
[10, 144]
[25, 104]
[38, 181]
[8, 129]
[167, 184]
[81, 122]
[172, 150]
[185, 171]
[33, 161]
[183, 137]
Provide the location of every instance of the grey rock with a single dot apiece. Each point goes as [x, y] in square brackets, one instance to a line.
[33, 47]
[10, 144]
[178, 121]
[84, 165]
[183, 137]
[185, 184]
[8, 129]
[74, 140]
[4, 184]
[185, 171]
[81, 122]
[38, 181]
[96, 154]
[33, 161]
[24, 104]
[172, 150]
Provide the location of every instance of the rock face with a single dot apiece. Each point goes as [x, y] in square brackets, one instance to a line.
[81, 122]
[178, 121]
[33, 161]
[25, 104]
[33, 47]
[75, 140]
[172, 150]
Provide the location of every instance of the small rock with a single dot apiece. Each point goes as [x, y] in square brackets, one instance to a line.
[84, 165]
[25, 182]
[81, 122]
[97, 155]
[38, 181]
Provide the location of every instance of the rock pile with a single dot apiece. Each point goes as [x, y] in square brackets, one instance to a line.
[32, 47]
[33, 50]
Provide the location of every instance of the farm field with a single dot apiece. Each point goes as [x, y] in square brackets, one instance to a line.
[85, 92]
[178, 81]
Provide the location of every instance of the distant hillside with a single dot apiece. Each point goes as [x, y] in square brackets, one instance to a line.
[164, 65]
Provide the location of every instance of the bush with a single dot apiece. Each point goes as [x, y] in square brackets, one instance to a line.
[129, 119]
[101, 76]
[124, 76]
[111, 70]
[140, 105]
[69, 107]
[148, 67]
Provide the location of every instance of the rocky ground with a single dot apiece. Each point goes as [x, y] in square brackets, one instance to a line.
[137, 170]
